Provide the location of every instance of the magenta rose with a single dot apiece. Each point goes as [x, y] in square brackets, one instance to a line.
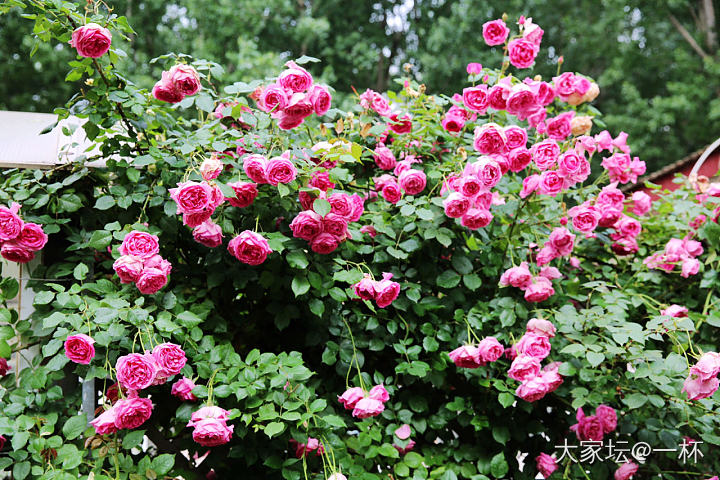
[324, 243]
[295, 78]
[182, 389]
[562, 240]
[32, 237]
[368, 407]
[280, 170]
[522, 52]
[343, 205]
[307, 225]
[211, 432]
[151, 280]
[320, 98]
[489, 139]
[249, 247]
[128, 268]
[532, 390]
[15, 252]
[166, 91]
[456, 205]
[521, 102]
[139, 244]
[545, 154]
[558, 128]
[476, 98]
[412, 181]
[545, 464]
[534, 345]
[185, 78]
[386, 291]
[136, 371]
[350, 397]
[467, 356]
[10, 223]
[79, 348]
[91, 40]
[476, 218]
[255, 167]
[588, 427]
[273, 98]
[392, 192]
[384, 158]
[4, 369]
[170, 359]
[495, 32]
[516, 137]
[551, 183]
[245, 193]
[105, 423]
[585, 218]
[400, 125]
[524, 368]
[192, 197]
[132, 412]
[208, 234]
[608, 418]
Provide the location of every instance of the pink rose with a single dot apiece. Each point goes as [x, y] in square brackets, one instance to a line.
[400, 125]
[412, 181]
[530, 184]
[182, 389]
[386, 291]
[306, 225]
[280, 170]
[384, 158]
[690, 266]
[490, 349]
[105, 423]
[151, 280]
[558, 128]
[32, 237]
[584, 218]
[211, 411]
[707, 367]
[626, 471]
[321, 181]
[498, 95]
[588, 427]
[369, 229]
[211, 168]
[545, 154]
[128, 268]
[474, 68]
[91, 40]
[540, 327]
[521, 102]
[368, 407]
[136, 371]
[132, 412]
[519, 276]
[551, 183]
[324, 243]
[532, 390]
[562, 240]
[342, 204]
[495, 32]
[139, 244]
[522, 52]
[192, 197]
[249, 247]
[211, 432]
[467, 356]
[546, 255]
[533, 345]
[476, 98]
[351, 397]
[489, 139]
[273, 98]
[551, 377]
[245, 193]
[335, 225]
[516, 137]
[675, 311]
[608, 418]
[377, 102]
[166, 91]
[320, 98]
[295, 78]
[456, 205]
[185, 78]
[546, 464]
[255, 167]
[539, 290]
[642, 202]
[10, 223]
[476, 218]
[519, 159]
[378, 392]
[365, 288]
[79, 348]
[524, 368]
[391, 191]
[170, 359]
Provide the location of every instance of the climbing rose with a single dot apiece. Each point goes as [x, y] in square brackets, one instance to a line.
[211, 168]
[91, 40]
[185, 78]
[490, 350]
[519, 276]
[324, 243]
[151, 280]
[608, 418]
[136, 371]
[588, 427]
[467, 356]
[675, 311]
[192, 197]
[400, 125]
[4, 369]
[524, 367]
[170, 359]
[476, 218]
[350, 397]
[132, 412]
[495, 32]
[697, 389]
[183, 389]
[539, 290]
[540, 327]
[32, 237]
[386, 291]
[166, 91]
[532, 390]
[211, 432]
[456, 205]
[626, 471]
[368, 407]
[522, 53]
[249, 247]
[307, 225]
[489, 139]
[320, 98]
[378, 392]
[139, 244]
[384, 158]
[255, 167]
[474, 68]
[105, 423]
[534, 345]
[128, 268]
[476, 98]
[206, 412]
[10, 223]
[280, 170]
[208, 234]
[79, 348]
[412, 181]
[365, 288]
[273, 98]
[546, 464]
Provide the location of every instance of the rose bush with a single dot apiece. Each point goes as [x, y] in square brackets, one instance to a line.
[410, 296]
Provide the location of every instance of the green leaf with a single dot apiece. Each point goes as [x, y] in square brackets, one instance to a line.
[163, 463]
[595, 358]
[21, 470]
[300, 284]
[105, 202]
[472, 281]
[499, 466]
[274, 428]
[100, 239]
[43, 297]
[448, 279]
[506, 399]
[75, 426]
[636, 400]
[321, 206]
[188, 319]
[80, 271]
[132, 439]
[297, 259]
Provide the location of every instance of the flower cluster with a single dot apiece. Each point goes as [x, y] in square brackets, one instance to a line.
[365, 404]
[488, 350]
[678, 251]
[196, 201]
[91, 40]
[537, 288]
[19, 240]
[326, 233]
[294, 97]
[177, 83]
[702, 381]
[595, 427]
[210, 426]
[409, 181]
[139, 262]
[382, 292]
[527, 353]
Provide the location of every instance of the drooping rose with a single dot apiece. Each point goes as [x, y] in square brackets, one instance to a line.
[91, 40]
[324, 243]
[368, 407]
[136, 371]
[608, 418]
[132, 412]
[386, 291]
[182, 389]
[249, 247]
[378, 392]
[105, 423]
[626, 471]
[350, 397]
[524, 367]
[546, 464]
[467, 356]
[15, 252]
[166, 91]
[79, 348]
[211, 432]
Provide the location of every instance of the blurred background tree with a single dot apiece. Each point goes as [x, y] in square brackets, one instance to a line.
[656, 62]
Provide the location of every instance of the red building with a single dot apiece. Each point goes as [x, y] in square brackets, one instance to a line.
[665, 176]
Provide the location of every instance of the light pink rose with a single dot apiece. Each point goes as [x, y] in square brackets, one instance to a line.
[386, 291]
[467, 356]
[642, 202]
[707, 367]
[532, 390]
[295, 78]
[490, 349]
[403, 432]
[546, 464]
[132, 412]
[128, 268]
[522, 52]
[378, 392]
[255, 167]
[524, 368]
[208, 411]
[384, 158]
[91, 40]
[540, 327]
[585, 218]
[675, 311]
[136, 371]
[211, 168]
[690, 266]
[545, 154]
[280, 170]
[192, 197]
[185, 78]
[105, 423]
[249, 247]
[476, 218]
[368, 407]
[551, 183]
[546, 255]
[182, 389]
[79, 348]
[211, 432]
[320, 98]
[324, 243]
[377, 102]
[495, 32]
[626, 471]
[519, 276]
[539, 290]
[32, 237]
[350, 397]
[530, 184]
[10, 223]
[522, 102]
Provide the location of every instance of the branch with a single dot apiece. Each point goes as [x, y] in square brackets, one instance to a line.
[688, 38]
